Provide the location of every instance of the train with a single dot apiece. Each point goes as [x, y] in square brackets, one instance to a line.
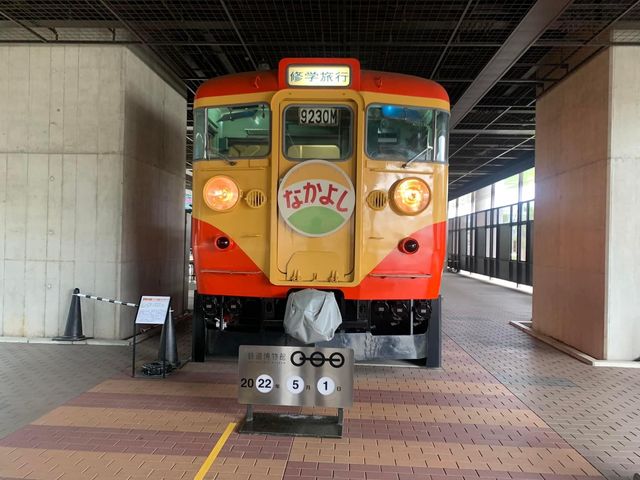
[321, 175]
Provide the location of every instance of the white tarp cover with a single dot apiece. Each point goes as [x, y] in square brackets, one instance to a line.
[312, 316]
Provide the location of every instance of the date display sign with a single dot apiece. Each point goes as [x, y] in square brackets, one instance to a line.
[296, 376]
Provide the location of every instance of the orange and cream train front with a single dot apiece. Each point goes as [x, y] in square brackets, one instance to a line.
[320, 175]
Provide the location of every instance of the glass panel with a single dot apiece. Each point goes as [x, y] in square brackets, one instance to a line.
[528, 184]
[317, 131]
[488, 240]
[523, 243]
[523, 212]
[480, 217]
[199, 124]
[514, 213]
[239, 131]
[396, 132]
[514, 243]
[468, 242]
[442, 136]
[531, 210]
[495, 242]
[483, 199]
[456, 242]
[505, 215]
[465, 206]
[506, 191]
[453, 209]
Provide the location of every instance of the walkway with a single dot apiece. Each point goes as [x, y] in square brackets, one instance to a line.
[596, 410]
[504, 407]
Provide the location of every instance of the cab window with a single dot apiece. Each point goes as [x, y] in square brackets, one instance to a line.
[318, 132]
[232, 132]
[405, 133]
[442, 136]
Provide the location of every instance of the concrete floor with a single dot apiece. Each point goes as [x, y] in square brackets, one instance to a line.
[36, 378]
[505, 406]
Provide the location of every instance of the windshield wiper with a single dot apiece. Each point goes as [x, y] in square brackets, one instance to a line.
[415, 157]
[224, 157]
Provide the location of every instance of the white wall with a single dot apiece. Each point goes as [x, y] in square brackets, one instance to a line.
[623, 267]
[62, 185]
[154, 187]
[570, 213]
[587, 261]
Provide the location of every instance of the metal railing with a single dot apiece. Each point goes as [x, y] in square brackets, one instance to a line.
[497, 243]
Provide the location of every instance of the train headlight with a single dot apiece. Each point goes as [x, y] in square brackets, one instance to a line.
[410, 196]
[221, 193]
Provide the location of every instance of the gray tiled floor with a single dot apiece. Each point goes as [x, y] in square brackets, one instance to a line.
[36, 378]
[596, 410]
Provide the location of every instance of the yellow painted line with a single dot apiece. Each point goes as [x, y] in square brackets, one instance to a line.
[214, 453]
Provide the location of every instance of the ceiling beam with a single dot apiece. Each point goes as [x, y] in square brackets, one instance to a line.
[511, 168]
[515, 147]
[30, 30]
[532, 26]
[451, 38]
[482, 131]
[502, 80]
[168, 71]
[239, 35]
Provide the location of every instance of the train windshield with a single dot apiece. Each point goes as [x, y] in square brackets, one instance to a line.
[232, 132]
[408, 134]
[318, 131]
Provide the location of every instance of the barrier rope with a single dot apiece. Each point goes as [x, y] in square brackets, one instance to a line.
[108, 300]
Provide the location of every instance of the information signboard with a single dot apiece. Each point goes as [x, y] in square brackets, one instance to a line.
[153, 310]
[296, 376]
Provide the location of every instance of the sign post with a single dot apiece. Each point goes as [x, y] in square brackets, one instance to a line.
[151, 311]
[295, 376]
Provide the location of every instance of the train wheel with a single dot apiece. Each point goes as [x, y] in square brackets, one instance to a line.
[199, 332]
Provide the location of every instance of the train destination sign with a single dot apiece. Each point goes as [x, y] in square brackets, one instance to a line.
[296, 376]
[318, 76]
[316, 198]
[318, 116]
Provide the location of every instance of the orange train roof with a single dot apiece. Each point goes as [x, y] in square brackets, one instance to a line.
[370, 81]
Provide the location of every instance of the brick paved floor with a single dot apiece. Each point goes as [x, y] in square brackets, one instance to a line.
[501, 409]
[596, 410]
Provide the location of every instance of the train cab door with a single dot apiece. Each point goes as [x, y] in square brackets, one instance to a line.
[314, 242]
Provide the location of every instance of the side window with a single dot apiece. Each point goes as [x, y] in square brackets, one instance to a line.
[199, 115]
[442, 136]
[318, 131]
[238, 131]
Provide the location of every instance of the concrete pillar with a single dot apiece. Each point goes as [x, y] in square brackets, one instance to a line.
[92, 146]
[587, 263]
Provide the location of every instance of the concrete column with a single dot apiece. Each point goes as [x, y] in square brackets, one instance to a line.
[91, 187]
[587, 262]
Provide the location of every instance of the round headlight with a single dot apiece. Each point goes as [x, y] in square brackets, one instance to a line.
[221, 193]
[410, 196]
